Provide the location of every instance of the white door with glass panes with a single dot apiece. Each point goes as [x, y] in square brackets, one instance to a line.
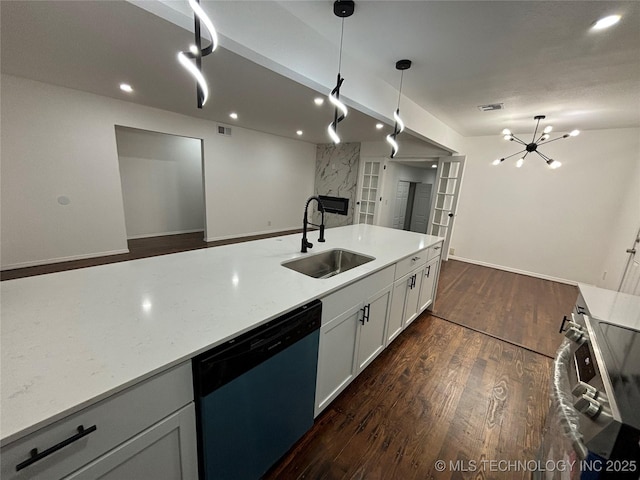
[445, 199]
[369, 187]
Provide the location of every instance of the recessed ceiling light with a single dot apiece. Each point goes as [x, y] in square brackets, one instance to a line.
[234, 115]
[318, 101]
[606, 22]
[299, 132]
[435, 165]
[379, 126]
[125, 87]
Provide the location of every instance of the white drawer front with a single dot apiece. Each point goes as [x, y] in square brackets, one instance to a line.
[116, 419]
[342, 300]
[434, 251]
[411, 262]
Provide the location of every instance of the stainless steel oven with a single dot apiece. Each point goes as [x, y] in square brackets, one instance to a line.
[593, 427]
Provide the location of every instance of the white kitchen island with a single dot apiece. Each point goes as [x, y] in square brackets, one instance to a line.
[74, 338]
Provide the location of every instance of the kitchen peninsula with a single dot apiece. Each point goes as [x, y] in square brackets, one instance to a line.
[73, 339]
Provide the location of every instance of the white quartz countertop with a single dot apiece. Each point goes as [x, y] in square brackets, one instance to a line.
[612, 307]
[72, 338]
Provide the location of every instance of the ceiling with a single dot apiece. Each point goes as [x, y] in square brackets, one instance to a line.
[536, 57]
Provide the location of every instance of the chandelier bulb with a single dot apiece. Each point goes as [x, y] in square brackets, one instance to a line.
[497, 161]
[506, 131]
[508, 137]
[574, 133]
[544, 137]
[520, 162]
[553, 164]
[547, 129]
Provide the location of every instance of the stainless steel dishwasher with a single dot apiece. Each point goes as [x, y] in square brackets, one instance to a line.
[255, 395]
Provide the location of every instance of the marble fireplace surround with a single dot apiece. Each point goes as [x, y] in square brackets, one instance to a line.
[337, 176]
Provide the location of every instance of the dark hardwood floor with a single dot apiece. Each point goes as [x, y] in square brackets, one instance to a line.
[523, 310]
[138, 248]
[440, 391]
[468, 385]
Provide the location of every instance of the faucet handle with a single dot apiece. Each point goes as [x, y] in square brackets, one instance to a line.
[321, 239]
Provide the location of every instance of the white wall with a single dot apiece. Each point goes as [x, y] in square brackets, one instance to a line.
[162, 182]
[623, 232]
[559, 224]
[61, 142]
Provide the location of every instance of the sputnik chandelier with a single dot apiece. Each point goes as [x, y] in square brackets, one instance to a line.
[342, 9]
[196, 52]
[398, 126]
[534, 144]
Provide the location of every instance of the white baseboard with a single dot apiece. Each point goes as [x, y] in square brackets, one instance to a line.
[47, 261]
[515, 270]
[177, 232]
[243, 235]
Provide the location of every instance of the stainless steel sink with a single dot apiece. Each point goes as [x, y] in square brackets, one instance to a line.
[328, 264]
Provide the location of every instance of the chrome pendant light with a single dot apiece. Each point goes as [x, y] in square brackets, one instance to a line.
[533, 146]
[398, 126]
[196, 52]
[342, 9]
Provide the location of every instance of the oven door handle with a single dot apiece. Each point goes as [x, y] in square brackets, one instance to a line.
[562, 400]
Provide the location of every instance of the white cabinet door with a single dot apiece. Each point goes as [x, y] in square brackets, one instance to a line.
[166, 450]
[372, 327]
[395, 323]
[336, 356]
[427, 289]
[413, 294]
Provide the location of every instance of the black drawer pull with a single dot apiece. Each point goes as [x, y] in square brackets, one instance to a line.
[564, 320]
[580, 310]
[35, 456]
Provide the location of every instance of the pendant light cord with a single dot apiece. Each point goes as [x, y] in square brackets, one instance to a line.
[400, 91]
[340, 57]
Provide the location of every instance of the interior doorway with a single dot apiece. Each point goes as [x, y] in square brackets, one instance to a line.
[412, 206]
[162, 183]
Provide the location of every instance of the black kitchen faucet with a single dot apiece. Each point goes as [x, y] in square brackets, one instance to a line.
[305, 243]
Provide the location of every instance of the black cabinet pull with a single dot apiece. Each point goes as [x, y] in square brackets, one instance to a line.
[580, 309]
[365, 313]
[35, 456]
[428, 271]
[564, 320]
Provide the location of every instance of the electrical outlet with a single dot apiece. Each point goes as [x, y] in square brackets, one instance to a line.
[604, 276]
[452, 251]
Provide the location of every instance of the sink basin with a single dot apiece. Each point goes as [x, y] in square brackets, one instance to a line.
[327, 264]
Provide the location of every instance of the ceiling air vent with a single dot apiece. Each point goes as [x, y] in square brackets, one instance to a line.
[224, 130]
[490, 107]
